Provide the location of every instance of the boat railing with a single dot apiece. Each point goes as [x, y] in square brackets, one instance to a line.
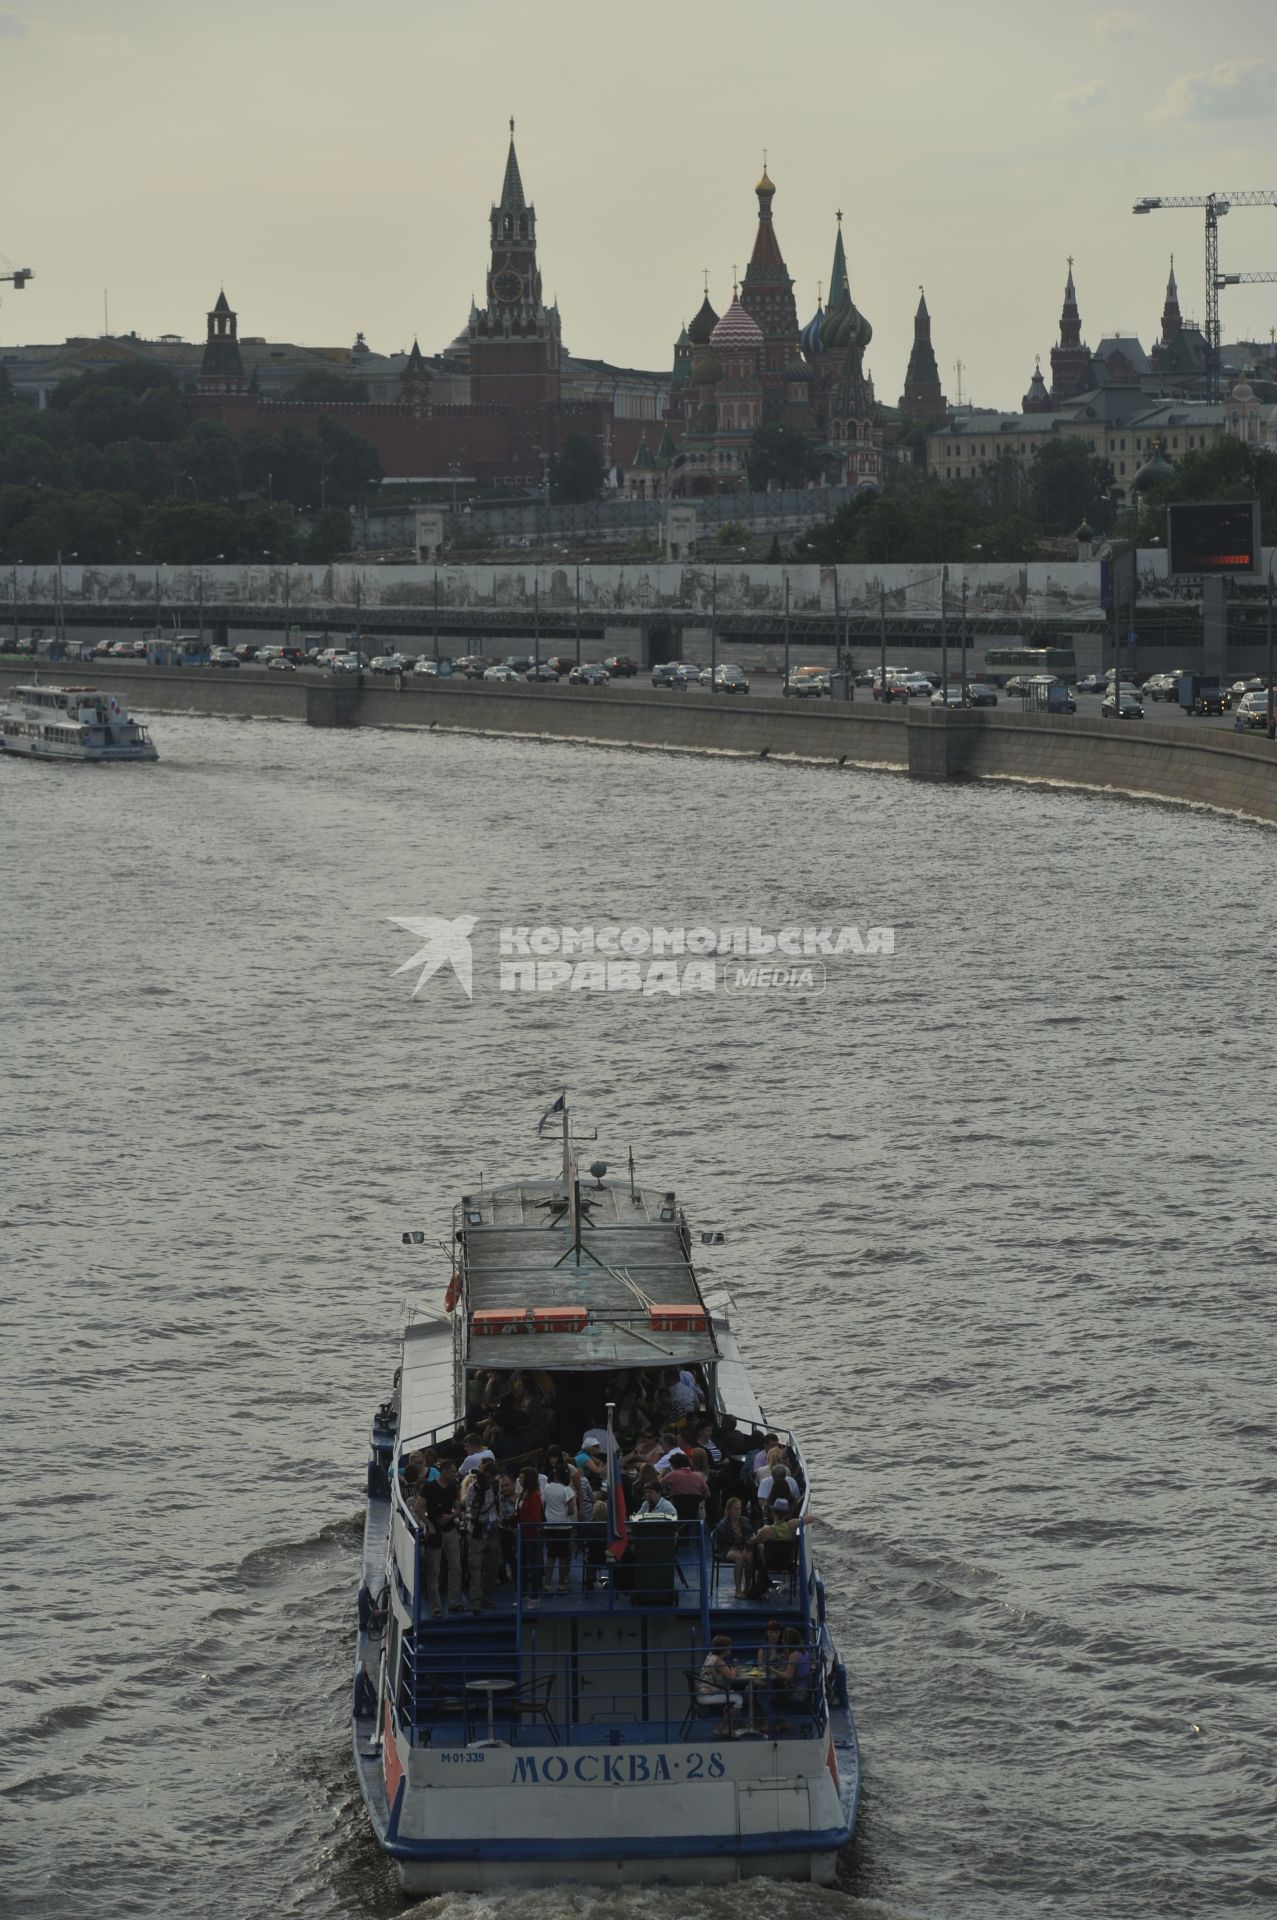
[579, 1698]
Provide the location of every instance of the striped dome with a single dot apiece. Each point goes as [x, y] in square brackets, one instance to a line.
[810, 336]
[737, 329]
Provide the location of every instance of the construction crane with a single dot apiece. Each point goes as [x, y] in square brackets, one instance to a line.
[1216, 205]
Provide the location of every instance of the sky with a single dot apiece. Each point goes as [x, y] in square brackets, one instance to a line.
[332, 165]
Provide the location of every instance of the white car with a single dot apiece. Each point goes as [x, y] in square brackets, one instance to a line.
[920, 688]
[500, 673]
[344, 663]
[429, 668]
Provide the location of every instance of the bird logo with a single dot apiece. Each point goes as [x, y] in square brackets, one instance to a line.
[445, 943]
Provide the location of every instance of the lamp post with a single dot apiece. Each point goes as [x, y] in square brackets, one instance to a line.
[882, 642]
[964, 640]
[536, 631]
[1272, 715]
[713, 630]
[944, 629]
[578, 616]
[14, 591]
[785, 682]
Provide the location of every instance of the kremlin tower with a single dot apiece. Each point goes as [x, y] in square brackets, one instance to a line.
[1071, 370]
[922, 399]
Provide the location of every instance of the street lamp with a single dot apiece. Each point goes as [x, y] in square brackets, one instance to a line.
[187, 476]
[1272, 715]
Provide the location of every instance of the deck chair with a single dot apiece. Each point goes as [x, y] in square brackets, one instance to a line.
[531, 1701]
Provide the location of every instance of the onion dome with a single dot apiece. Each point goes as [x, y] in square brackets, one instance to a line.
[703, 325]
[1155, 469]
[710, 371]
[1085, 533]
[810, 335]
[764, 185]
[737, 329]
[796, 368]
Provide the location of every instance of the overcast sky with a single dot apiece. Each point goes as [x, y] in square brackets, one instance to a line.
[332, 164]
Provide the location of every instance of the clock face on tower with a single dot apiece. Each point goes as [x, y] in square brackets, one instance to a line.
[507, 285]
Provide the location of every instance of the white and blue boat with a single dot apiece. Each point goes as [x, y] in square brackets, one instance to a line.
[71, 723]
[567, 1737]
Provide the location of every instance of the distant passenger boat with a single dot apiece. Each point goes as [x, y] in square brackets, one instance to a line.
[71, 723]
[594, 1729]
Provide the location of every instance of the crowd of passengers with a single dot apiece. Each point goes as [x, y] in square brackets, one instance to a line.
[487, 1502]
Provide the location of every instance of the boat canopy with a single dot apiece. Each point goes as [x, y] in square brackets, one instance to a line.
[604, 1286]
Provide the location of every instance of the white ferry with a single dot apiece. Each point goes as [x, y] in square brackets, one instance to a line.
[526, 1737]
[71, 723]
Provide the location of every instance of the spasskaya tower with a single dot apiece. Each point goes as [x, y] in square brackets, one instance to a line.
[514, 338]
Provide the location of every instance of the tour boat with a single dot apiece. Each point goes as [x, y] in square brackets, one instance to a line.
[71, 723]
[572, 1735]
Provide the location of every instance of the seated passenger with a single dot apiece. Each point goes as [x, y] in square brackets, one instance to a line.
[732, 1536]
[793, 1679]
[654, 1505]
[715, 1685]
[681, 1477]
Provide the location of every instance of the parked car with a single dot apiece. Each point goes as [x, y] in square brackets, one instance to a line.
[808, 683]
[345, 663]
[500, 672]
[561, 663]
[244, 651]
[544, 673]
[980, 694]
[895, 690]
[1126, 706]
[519, 663]
[670, 674]
[948, 697]
[282, 664]
[1092, 683]
[222, 657]
[426, 666]
[388, 663]
[588, 674]
[620, 667]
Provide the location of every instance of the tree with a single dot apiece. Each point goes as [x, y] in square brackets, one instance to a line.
[329, 536]
[1068, 483]
[349, 465]
[576, 472]
[1230, 470]
[321, 383]
[780, 457]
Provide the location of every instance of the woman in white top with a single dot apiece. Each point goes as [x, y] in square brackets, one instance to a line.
[559, 1500]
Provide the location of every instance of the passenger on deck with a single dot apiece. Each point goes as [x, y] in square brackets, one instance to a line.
[483, 1529]
[529, 1516]
[682, 1393]
[443, 1540]
[732, 1536]
[734, 1444]
[777, 1482]
[654, 1505]
[507, 1512]
[559, 1500]
[477, 1451]
[773, 1653]
[682, 1477]
[708, 1444]
[715, 1686]
[793, 1681]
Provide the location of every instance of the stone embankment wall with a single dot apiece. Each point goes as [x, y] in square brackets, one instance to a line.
[1204, 766]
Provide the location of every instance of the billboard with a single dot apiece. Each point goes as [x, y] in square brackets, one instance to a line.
[1215, 537]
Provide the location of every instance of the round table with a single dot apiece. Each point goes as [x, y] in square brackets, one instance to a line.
[491, 1688]
[751, 1676]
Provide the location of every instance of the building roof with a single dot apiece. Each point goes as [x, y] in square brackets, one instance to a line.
[1128, 346]
[737, 329]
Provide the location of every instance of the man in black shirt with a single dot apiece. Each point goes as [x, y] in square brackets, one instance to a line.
[443, 1540]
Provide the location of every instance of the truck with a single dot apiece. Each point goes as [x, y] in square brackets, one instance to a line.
[1202, 693]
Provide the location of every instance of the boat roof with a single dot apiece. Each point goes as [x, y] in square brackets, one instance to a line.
[521, 1249]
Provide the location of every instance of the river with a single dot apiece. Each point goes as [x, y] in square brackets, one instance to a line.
[999, 1226]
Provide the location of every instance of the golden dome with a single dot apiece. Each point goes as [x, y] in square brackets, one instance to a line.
[764, 185]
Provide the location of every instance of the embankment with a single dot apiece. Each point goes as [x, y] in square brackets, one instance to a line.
[1199, 766]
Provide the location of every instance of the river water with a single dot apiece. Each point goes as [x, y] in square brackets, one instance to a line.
[1000, 1232]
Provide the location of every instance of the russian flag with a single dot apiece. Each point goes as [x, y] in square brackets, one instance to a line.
[618, 1537]
[550, 1112]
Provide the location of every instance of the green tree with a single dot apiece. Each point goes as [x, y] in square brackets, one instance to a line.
[780, 457]
[1068, 484]
[576, 472]
[349, 465]
[1230, 470]
[186, 532]
[329, 537]
[321, 383]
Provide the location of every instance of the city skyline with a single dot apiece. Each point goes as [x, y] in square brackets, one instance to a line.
[335, 175]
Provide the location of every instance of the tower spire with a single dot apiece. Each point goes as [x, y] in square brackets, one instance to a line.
[512, 200]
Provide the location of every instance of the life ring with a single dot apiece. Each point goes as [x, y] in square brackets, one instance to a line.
[453, 1294]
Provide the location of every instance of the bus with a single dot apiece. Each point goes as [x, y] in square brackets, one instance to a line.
[1000, 663]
